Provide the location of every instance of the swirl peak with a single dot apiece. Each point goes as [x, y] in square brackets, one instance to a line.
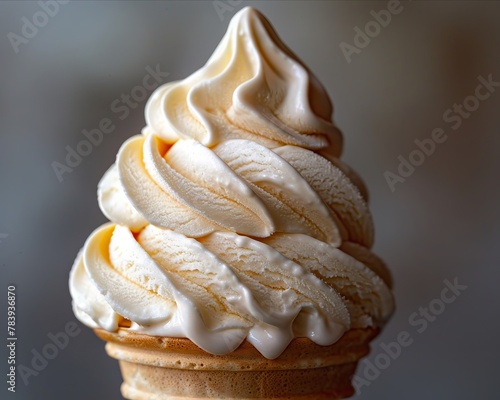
[252, 87]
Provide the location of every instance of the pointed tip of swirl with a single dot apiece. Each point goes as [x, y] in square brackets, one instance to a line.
[252, 87]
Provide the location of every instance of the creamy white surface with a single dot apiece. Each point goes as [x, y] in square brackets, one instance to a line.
[226, 222]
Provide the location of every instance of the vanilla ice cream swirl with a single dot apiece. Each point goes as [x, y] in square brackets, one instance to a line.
[232, 216]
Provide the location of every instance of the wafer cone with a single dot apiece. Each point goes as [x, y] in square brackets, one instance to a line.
[155, 368]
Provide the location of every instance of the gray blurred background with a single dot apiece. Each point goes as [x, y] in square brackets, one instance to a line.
[441, 223]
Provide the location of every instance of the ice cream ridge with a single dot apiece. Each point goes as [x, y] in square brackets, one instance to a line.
[232, 216]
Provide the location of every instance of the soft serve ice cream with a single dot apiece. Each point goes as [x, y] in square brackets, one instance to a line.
[232, 216]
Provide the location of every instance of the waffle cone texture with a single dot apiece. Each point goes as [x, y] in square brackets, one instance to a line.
[165, 368]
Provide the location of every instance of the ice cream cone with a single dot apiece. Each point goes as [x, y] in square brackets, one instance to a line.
[175, 368]
[235, 230]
